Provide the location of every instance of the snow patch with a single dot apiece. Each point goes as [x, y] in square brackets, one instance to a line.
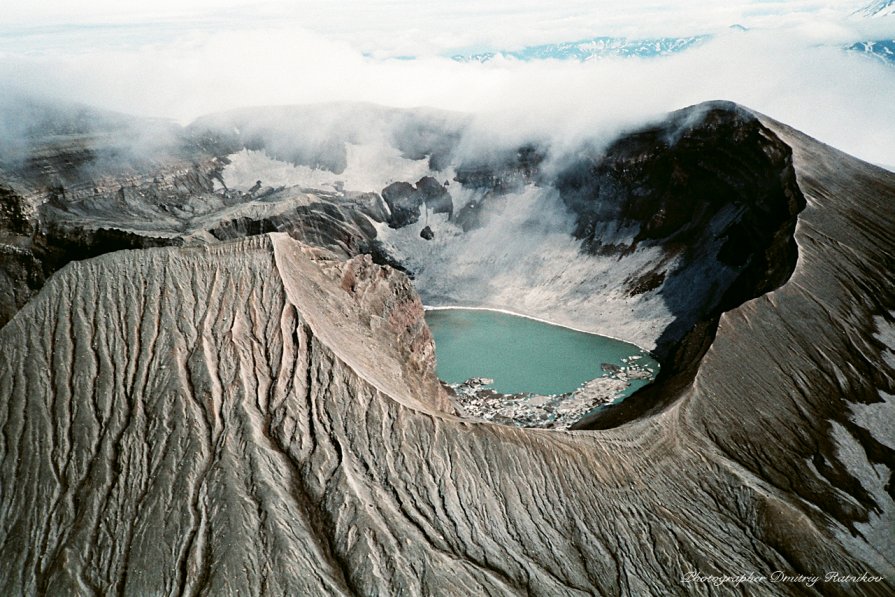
[882, 8]
[879, 420]
[371, 167]
[874, 478]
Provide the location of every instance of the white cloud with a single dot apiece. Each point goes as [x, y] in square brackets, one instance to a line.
[379, 23]
[789, 67]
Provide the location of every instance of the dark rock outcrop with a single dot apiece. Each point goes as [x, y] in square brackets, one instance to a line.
[405, 200]
[370, 204]
[469, 216]
[403, 203]
[501, 173]
[435, 196]
[343, 230]
[715, 189]
[494, 176]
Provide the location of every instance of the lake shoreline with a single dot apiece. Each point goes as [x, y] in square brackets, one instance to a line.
[528, 355]
[540, 320]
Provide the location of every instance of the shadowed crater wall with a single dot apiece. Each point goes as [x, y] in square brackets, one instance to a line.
[716, 191]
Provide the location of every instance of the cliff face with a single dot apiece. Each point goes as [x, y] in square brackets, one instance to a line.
[261, 417]
[713, 189]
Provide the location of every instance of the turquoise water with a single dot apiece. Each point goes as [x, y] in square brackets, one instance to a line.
[521, 354]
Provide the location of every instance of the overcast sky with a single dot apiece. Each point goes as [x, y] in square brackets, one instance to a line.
[180, 60]
[364, 20]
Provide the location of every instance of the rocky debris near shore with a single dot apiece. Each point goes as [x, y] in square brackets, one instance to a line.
[473, 398]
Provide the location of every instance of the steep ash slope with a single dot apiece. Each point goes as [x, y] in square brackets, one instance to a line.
[252, 428]
[806, 371]
[189, 424]
[258, 417]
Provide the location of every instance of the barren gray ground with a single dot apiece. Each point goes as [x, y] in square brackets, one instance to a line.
[259, 417]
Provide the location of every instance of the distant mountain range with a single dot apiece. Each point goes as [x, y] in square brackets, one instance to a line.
[593, 48]
[882, 8]
[883, 49]
[605, 47]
